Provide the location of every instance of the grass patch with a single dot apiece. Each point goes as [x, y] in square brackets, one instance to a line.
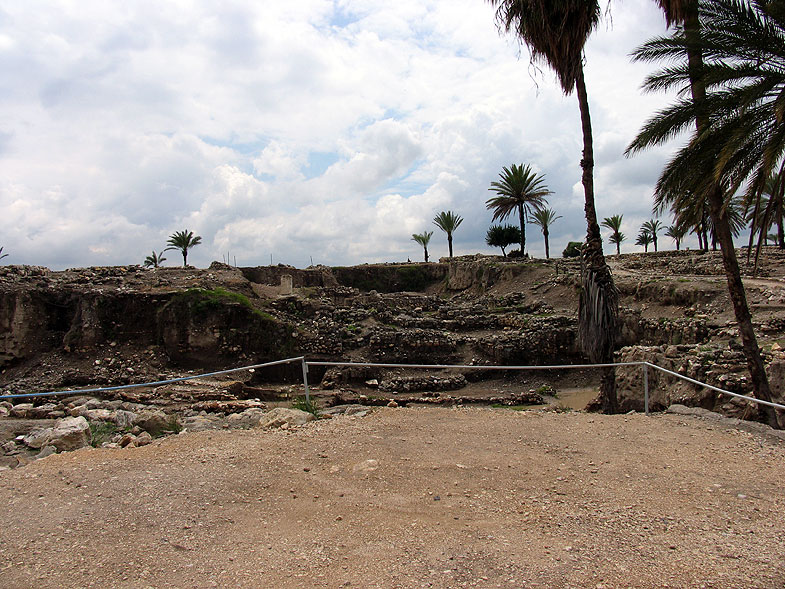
[203, 300]
[307, 405]
[102, 432]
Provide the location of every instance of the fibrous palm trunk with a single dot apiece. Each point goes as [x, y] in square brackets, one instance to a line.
[599, 301]
[449, 243]
[545, 233]
[722, 230]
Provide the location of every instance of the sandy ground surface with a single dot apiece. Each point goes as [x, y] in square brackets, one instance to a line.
[409, 497]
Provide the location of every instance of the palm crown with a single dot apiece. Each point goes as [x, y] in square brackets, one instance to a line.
[183, 241]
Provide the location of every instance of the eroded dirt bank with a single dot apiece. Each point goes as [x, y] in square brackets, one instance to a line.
[408, 497]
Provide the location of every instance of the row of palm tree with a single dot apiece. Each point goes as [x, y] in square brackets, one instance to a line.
[179, 240]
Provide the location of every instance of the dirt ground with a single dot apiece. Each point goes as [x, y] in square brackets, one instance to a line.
[408, 497]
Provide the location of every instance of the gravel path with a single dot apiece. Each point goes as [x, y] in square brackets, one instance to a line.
[416, 497]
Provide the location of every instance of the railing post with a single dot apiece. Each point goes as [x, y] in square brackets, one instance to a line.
[305, 381]
[646, 387]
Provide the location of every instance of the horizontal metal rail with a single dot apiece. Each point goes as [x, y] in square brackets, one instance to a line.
[155, 383]
[475, 366]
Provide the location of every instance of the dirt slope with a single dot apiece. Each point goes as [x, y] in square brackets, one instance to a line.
[419, 497]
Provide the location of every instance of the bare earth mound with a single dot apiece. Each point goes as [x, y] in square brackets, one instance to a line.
[416, 497]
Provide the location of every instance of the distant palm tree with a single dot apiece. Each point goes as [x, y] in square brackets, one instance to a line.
[520, 190]
[652, 226]
[501, 237]
[677, 233]
[423, 239]
[448, 222]
[614, 224]
[1, 252]
[154, 260]
[183, 241]
[545, 218]
[644, 239]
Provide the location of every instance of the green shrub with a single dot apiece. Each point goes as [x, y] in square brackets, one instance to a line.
[573, 249]
[307, 405]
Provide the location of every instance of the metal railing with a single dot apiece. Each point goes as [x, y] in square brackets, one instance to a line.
[306, 363]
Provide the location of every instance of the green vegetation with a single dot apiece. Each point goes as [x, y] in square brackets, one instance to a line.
[154, 260]
[545, 218]
[521, 190]
[573, 249]
[102, 432]
[502, 236]
[307, 405]
[423, 239]
[202, 300]
[448, 222]
[614, 224]
[183, 241]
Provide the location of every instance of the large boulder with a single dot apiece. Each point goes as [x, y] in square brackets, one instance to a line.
[280, 415]
[69, 433]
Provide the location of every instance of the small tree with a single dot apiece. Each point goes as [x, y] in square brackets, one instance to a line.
[501, 237]
[423, 239]
[154, 260]
[183, 241]
[652, 226]
[614, 224]
[448, 222]
[573, 249]
[644, 239]
[545, 218]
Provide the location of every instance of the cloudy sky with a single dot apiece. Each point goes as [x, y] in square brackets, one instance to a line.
[316, 130]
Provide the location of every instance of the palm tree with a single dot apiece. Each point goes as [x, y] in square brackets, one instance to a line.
[677, 233]
[545, 218]
[734, 67]
[448, 222]
[765, 211]
[556, 32]
[1, 252]
[644, 239]
[501, 237]
[520, 190]
[154, 260]
[614, 224]
[423, 239]
[183, 241]
[652, 226]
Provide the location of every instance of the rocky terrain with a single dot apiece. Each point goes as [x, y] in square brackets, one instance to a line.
[91, 327]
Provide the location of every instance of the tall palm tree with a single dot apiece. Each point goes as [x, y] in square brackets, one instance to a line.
[556, 32]
[520, 190]
[448, 222]
[545, 218]
[154, 260]
[423, 239]
[652, 226]
[677, 233]
[183, 241]
[734, 78]
[614, 224]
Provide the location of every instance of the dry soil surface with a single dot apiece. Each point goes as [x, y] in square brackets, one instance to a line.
[414, 497]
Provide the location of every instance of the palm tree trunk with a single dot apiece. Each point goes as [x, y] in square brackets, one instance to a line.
[185, 258]
[722, 230]
[599, 303]
[449, 243]
[425, 247]
[618, 250]
[547, 245]
[523, 229]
